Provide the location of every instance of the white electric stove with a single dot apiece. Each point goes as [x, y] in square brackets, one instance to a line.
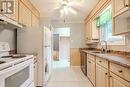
[15, 70]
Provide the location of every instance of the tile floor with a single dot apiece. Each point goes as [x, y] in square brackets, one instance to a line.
[65, 76]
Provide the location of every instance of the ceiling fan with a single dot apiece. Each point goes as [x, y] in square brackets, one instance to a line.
[65, 7]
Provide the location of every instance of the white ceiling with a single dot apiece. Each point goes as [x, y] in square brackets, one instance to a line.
[47, 9]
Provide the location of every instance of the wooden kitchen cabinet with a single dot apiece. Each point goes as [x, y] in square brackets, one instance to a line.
[91, 30]
[14, 16]
[121, 17]
[35, 20]
[88, 29]
[24, 15]
[120, 6]
[91, 70]
[101, 76]
[116, 81]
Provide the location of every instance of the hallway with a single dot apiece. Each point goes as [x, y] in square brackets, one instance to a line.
[65, 76]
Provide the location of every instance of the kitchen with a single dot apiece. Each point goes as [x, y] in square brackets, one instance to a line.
[99, 43]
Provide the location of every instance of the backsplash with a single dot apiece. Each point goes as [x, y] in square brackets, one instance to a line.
[125, 48]
[8, 35]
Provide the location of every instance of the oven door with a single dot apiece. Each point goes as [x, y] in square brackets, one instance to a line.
[19, 75]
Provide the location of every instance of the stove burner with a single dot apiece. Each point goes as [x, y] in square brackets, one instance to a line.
[6, 56]
[14, 56]
[1, 62]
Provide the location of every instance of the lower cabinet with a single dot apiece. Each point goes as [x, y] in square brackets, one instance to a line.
[116, 81]
[91, 70]
[102, 78]
[104, 73]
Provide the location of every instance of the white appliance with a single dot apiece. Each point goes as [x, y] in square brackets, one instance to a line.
[47, 54]
[37, 40]
[15, 72]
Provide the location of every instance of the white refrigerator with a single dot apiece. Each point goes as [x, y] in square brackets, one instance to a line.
[39, 41]
[47, 54]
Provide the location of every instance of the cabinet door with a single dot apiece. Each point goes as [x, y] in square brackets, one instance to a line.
[91, 71]
[120, 6]
[21, 12]
[24, 15]
[101, 76]
[116, 81]
[88, 29]
[14, 16]
[28, 18]
[35, 20]
[89, 68]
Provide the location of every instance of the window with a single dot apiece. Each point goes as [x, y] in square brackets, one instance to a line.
[104, 23]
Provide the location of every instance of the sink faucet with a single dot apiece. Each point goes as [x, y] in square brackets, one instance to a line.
[103, 50]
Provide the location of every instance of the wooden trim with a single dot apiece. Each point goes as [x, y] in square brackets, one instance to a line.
[94, 13]
[124, 33]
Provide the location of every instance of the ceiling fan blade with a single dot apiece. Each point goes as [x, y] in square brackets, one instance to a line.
[57, 8]
[61, 13]
[60, 2]
[72, 11]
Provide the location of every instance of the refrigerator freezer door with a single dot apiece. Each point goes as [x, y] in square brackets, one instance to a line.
[47, 36]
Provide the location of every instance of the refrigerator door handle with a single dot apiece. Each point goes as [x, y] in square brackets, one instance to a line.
[47, 46]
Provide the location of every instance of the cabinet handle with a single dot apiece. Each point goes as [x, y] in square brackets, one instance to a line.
[110, 76]
[100, 61]
[106, 73]
[126, 5]
[89, 62]
[1, 10]
[120, 71]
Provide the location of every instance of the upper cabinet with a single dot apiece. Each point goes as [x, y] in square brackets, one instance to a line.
[88, 27]
[119, 6]
[35, 20]
[24, 15]
[121, 17]
[23, 12]
[14, 16]
[92, 32]
[28, 14]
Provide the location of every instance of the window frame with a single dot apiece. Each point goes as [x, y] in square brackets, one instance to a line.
[114, 40]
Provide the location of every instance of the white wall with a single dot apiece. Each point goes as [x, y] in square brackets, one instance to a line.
[8, 35]
[63, 32]
[77, 33]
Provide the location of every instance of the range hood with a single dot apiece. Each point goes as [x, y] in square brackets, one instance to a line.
[8, 23]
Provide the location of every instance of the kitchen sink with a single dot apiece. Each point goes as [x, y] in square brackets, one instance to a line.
[98, 52]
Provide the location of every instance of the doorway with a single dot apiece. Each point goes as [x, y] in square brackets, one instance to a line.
[62, 53]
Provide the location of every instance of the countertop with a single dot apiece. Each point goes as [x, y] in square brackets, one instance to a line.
[115, 58]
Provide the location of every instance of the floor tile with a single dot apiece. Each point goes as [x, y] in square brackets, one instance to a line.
[65, 76]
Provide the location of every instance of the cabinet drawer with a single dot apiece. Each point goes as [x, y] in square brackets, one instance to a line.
[120, 71]
[91, 57]
[116, 81]
[102, 62]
